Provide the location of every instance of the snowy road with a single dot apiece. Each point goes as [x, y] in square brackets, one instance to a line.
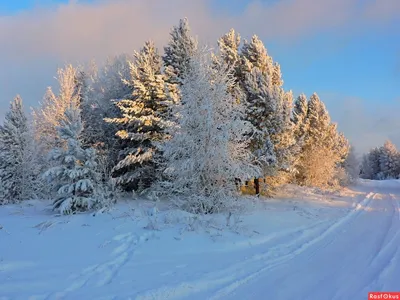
[360, 254]
[357, 254]
[308, 252]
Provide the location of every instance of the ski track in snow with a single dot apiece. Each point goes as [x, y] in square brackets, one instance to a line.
[223, 277]
[102, 274]
[384, 260]
[382, 267]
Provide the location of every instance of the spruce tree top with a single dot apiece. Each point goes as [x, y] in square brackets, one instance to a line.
[229, 48]
[178, 52]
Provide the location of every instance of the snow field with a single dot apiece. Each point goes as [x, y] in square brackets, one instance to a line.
[305, 243]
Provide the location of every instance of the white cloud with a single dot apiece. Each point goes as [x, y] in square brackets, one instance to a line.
[79, 30]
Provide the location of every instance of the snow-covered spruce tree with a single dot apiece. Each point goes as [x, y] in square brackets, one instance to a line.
[299, 118]
[260, 110]
[255, 62]
[300, 129]
[207, 151]
[370, 166]
[323, 147]
[105, 84]
[365, 167]
[312, 163]
[228, 53]
[255, 55]
[178, 52]
[18, 165]
[283, 138]
[375, 157]
[142, 122]
[389, 161]
[74, 175]
[342, 146]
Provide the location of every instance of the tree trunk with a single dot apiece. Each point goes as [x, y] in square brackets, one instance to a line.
[257, 186]
[238, 183]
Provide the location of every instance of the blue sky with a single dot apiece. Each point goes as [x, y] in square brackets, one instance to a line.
[346, 51]
[10, 6]
[365, 66]
[15, 6]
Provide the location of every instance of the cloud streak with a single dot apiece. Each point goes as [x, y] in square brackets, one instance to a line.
[78, 30]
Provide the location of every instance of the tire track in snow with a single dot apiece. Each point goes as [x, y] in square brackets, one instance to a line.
[391, 225]
[215, 279]
[349, 218]
[394, 224]
[383, 262]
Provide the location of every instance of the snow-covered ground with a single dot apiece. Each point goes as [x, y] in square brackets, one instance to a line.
[303, 245]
